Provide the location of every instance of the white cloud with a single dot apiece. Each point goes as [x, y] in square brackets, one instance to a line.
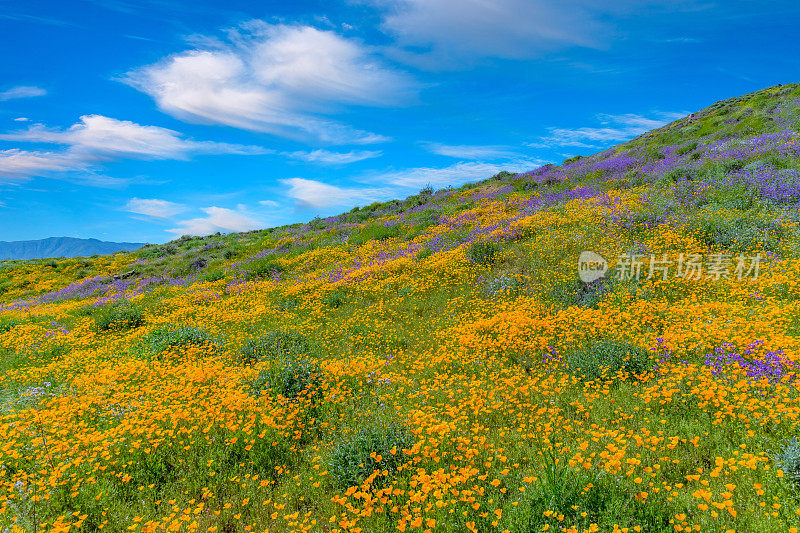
[154, 207]
[21, 119]
[22, 91]
[467, 151]
[217, 219]
[96, 139]
[269, 203]
[456, 31]
[98, 136]
[447, 34]
[456, 174]
[616, 128]
[276, 79]
[325, 157]
[315, 194]
[20, 164]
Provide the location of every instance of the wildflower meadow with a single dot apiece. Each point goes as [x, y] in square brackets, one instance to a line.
[435, 363]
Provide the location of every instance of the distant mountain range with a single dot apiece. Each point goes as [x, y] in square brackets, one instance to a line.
[62, 247]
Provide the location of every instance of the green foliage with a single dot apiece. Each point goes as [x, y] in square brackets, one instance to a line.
[788, 459]
[580, 498]
[335, 299]
[685, 149]
[118, 315]
[290, 377]
[503, 175]
[274, 345]
[424, 253]
[736, 231]
[6, 323]
[483, 252]
[214, 275]
[604, 358]
[158, 341]
[262, 267]
[353, 460]
[375, 232]
[577, 293]
[679, 174]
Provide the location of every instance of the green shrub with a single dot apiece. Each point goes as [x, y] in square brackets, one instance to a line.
[214, 275]
[375, 232]
[683, 150]
[676, 175]
[788, 459]
[289, 377]
[262, 267]
[735, 196]
[733, 165]
[6, 323]
[119, 315]
[334, 299]
[575, 292]
[503, 175]
[736, 231]
[424, 253]
[483, 252]
[604, 358]
[354, 460]
[274, 345]
[158, 341]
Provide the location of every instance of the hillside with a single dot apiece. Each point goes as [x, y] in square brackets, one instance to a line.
[62, 247]
[436, 363]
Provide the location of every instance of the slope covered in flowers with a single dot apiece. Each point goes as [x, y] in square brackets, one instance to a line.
[435, 364]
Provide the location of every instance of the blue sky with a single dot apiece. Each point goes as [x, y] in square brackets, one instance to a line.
[146, 120]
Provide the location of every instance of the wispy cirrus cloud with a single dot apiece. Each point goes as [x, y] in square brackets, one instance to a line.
[471, 151]
[275, 78]
[154, 207]
[318, 195]
[326, 157]
[456, 174]
[19, 164]
[97, 139]
[614, 128]
[448, 34]
[22, 91]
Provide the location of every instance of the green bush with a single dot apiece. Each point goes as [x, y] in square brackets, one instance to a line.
[736, 232]
[788, 459]
[424, 253]
[6, 323]
[119, 315]
[683, 150]
[158, 341]
[214, 275]
[274, 345]
[354, 460]
[604, 358]
[375, 232]
[677, 175]
[483, 252]
[262, 267]
[334, 299]
[289, 377]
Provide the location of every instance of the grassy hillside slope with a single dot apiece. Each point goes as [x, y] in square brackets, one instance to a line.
[435, 364]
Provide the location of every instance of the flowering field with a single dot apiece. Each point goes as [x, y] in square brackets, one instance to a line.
[437, 363]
